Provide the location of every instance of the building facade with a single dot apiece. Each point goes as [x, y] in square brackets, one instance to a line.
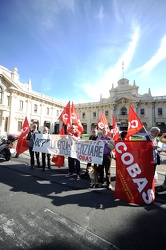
[18, 100]
[151, 110]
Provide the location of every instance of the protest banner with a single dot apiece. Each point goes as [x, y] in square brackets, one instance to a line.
[134, 172]
[67, 145]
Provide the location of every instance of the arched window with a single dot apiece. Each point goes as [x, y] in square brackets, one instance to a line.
[0, 95]
[123, 111]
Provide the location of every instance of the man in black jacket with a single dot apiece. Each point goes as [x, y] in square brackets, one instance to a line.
[31, 139]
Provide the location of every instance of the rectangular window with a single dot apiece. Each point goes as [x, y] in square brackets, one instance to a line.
[48, 111]
[83, 115]
[19, 125]
[94, 114]
[35, 107]
[6, 124]
[160, 112]
[21, 104]
[142, 111]
[8, 101]
[106, 113]
[1, 95]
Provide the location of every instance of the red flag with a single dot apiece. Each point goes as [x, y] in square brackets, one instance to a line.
[116, 131]
[102, 123]
[22, 144]
[65, 116]
[62, 131]
[134, 172]
[74, 116]
[58, 160]
[134, 123]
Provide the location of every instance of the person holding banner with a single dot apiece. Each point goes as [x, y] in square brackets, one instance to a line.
[163, 186]
[72, 162]
[109, 145]
[152, 135]
[93, 137]
[44, 155]
[31, 139]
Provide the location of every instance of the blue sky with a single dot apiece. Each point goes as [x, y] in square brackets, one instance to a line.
[74, 49]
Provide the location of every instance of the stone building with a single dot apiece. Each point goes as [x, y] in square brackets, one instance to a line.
[151, 110]
[18, 100]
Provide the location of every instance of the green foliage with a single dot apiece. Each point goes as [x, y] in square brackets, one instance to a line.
[85, 137]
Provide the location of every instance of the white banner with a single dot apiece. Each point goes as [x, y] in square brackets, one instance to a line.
[67, 145]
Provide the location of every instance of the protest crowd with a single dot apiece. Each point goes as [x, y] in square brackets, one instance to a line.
[134, 180]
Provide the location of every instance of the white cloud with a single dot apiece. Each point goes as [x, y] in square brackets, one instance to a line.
[156, 59]
[112, 74]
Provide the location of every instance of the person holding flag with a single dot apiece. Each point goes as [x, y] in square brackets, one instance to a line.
[108, 146]
[152, 135]
[72, 161]
[65, 118]
[31, 139]
[163, 186]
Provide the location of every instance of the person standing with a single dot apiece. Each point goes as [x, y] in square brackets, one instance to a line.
[31, 139]
[108, 147]
[72, 162]
[46, 156]
[123, 135]
[93, 137]
[163, 186]
[152, 135]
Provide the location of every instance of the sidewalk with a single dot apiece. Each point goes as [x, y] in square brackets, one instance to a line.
[57, 175]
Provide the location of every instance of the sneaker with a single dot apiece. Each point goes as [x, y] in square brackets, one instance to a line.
[109, 187]
[68, 175]
[78, 178]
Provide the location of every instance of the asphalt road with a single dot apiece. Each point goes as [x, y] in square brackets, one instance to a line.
[45, 210]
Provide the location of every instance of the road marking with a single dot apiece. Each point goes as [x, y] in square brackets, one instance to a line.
[82, 231]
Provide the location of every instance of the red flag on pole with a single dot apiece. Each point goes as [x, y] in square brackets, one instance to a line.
[65, 116]
[116, 131]
[22, 144]
[102, 123]
[74, 116]
[134, 123]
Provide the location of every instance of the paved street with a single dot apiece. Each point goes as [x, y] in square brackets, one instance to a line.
[45, 210]
[161, 171]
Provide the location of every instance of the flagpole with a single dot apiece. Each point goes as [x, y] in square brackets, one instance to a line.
[123, 69]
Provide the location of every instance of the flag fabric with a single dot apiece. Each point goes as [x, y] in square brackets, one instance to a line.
[134, 123]
[62, 131]
[65, 117]
[58, 160]
[116, 131]
[22, 144]
[102, 123]
[134, 172]
[75, 118]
